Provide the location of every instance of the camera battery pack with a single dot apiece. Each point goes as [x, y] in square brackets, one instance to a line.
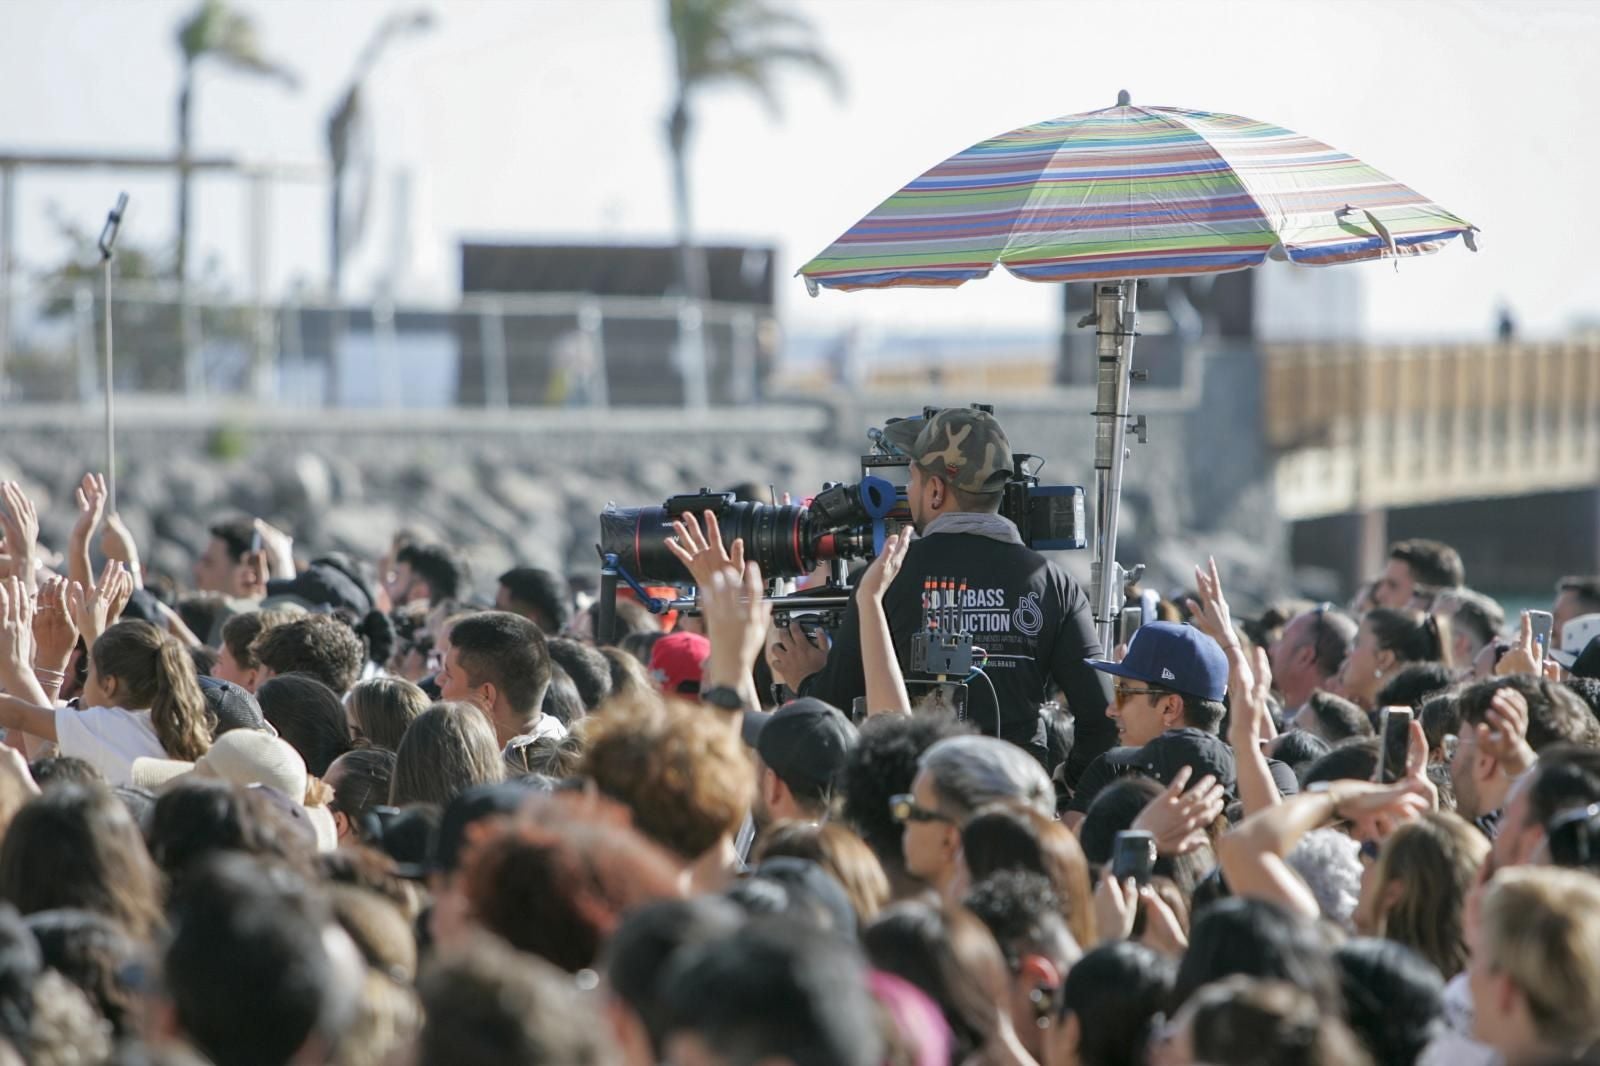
[937, 652]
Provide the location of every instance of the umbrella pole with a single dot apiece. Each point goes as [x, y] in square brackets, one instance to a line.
[1115, 318]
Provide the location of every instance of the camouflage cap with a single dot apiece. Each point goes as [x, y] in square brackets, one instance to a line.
[965, 447]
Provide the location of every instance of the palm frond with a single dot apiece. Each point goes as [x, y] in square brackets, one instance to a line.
[229, 37]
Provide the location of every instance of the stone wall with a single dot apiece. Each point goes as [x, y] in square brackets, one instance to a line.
[527, 486]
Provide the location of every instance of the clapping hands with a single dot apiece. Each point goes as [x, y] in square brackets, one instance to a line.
[96, 609]
[20, 523]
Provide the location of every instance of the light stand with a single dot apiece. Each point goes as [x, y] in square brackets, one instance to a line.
[1115, 319]
[108, 240]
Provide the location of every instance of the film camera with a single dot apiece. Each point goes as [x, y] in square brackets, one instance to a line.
[843, 521]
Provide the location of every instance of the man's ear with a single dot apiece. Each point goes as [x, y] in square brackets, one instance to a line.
[939, 492]
[772, 787]
[1172, 711]
[1484, 766]
[1040, 972]
[489, 693]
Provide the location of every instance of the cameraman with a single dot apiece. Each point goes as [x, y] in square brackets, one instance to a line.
[1033, 620]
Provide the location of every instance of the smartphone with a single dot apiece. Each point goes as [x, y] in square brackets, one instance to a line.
[1394, 729]
[1133, 854]
[1132, 618]
[1544, 624]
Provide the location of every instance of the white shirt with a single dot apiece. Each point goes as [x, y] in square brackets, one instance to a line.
[108, 738]
[1454, 1046]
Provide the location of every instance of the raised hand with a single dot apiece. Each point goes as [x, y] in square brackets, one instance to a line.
[91, 497]
[1523, 657]
[881, 574]
[117, 543]
[16, 632]
[1505, 734]
[54, 630]
[279, 549]
[1210, 613]
[1115, 907]
[20, 523]
[737, 619]
[703, 554]
[96, 609]
[1178, 818]
[1375, 810]
[1162, 930]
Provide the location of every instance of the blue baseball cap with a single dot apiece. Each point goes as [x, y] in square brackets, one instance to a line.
[1173, 656]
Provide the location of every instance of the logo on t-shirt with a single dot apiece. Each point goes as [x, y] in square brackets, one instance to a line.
[1028, 618]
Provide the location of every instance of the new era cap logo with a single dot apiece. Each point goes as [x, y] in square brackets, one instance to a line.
[1168, 675]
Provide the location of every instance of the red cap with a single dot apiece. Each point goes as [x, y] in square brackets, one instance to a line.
[677, 661]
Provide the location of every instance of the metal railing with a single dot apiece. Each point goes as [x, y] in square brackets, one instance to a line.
[1364, 426]
[489, 351]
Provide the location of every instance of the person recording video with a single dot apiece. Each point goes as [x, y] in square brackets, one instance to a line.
[1034, 622]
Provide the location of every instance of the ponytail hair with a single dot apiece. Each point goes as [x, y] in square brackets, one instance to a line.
[376, 631]
[155, 672]
[1414, 637]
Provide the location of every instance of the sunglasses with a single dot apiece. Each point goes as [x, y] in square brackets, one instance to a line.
[903, 808]
[1123, 692]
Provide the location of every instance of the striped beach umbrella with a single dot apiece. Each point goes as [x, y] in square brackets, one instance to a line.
[1120, 194]
[1130, 192]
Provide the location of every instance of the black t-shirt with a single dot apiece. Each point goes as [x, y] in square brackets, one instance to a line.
[1034, 621]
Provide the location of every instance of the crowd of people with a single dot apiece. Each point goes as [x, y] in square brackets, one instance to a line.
[296, 807]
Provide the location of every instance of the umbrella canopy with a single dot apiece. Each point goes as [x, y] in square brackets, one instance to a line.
[1128, 192]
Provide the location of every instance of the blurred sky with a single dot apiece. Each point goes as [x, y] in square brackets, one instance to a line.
[543, 119]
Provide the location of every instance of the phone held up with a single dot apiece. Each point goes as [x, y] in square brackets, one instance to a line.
[1133, 854]
[1394, 731]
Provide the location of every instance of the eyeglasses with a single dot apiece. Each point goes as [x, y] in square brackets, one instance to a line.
[1122, 692]
[903, 808]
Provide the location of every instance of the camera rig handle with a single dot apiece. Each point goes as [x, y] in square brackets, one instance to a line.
[611, 570]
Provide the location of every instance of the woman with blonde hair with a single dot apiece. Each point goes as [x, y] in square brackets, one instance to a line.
[380, 709]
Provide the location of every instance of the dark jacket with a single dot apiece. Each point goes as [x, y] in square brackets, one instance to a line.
[1032, 619]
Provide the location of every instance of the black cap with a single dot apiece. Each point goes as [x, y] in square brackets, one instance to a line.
[233, 707]
[807, 882]
[1202, 752]
[805, 742]
[469, 807]
[1283, 776]
[1587, 664]
[323, 584]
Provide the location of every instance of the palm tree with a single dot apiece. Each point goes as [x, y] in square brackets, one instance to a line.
[228, 37]
[742, 42]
